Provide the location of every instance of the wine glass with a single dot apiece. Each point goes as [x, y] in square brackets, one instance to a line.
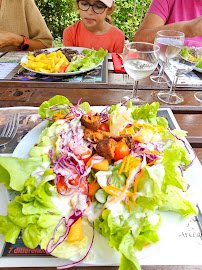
[170, 43]
[184, 62]
[198, 97]
[140, 59]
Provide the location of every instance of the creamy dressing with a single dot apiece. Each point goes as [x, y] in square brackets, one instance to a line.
[153, 219]
[63, 204]
[39, 171]
[117, 209]
[102, 177]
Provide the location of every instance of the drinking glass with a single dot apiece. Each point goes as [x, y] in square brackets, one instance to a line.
[198, 97]
[184, 62]
[139, 60]
[170, 43]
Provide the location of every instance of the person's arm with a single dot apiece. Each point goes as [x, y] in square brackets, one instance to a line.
[152, 23]
[11, 39]
[39, 34]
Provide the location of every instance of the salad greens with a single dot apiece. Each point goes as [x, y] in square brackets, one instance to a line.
[65, 192]
[89, 59]
[190, 53]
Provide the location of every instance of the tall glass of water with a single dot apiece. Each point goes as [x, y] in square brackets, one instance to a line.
[139, 60]
[170, 43]
[184, 62]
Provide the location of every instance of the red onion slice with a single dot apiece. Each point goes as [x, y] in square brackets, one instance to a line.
[75, 263]
[51, 245]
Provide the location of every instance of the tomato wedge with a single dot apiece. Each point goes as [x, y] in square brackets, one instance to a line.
[82, 152]
[61, 186]
[62, 69]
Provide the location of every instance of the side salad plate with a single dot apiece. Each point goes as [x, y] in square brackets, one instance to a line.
[83, 61]
[198, 69]
[121, 223]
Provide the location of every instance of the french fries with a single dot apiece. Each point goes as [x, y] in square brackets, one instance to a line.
[49, 63]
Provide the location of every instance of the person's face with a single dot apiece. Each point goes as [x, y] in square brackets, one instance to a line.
[90, 17]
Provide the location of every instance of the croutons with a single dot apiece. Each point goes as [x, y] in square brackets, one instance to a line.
[127, 139]
[106, 148]
[95, 136]
[91, 121]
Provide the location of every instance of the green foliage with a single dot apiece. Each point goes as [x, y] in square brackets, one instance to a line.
[59, 14]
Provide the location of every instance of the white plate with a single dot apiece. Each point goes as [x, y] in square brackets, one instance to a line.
[172, 223]
[79, 49]
[198, 69]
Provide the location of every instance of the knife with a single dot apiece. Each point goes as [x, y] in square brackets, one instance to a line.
[199, 218]
[21, 70]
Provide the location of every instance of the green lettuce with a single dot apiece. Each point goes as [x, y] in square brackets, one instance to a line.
[10, 168]
[91, 59]
[60, 101]
[148, 112]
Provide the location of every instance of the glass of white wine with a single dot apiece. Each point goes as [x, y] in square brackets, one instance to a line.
[140, 59]
[184, 62]
[170, 43]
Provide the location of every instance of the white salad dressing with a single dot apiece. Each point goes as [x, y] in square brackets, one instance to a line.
[153, 219]
[39, 171]
[63, 204]
[102, 177]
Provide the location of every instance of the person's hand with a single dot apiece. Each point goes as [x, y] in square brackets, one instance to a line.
[9, 39]
[195, 27]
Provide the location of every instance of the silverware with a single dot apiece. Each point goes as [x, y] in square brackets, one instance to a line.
[199, 218]
[10, 128]
[20, 70]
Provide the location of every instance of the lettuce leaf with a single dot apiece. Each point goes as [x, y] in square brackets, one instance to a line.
[148, 112]
[10, 168]
[91, 59]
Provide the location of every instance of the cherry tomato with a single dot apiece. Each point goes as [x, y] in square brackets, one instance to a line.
[104, 127]
[121, 150]
[82, 152]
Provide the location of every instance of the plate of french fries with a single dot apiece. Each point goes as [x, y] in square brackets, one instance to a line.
[53, 63]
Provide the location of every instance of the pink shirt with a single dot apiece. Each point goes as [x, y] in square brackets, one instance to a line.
[172, 11]
[77, 35]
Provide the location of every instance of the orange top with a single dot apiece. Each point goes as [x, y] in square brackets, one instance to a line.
[77, 35]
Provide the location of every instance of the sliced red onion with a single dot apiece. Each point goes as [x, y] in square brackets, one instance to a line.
[125, 102]
[108, 179]
[75, 263]
[180, 167]
[51, 245]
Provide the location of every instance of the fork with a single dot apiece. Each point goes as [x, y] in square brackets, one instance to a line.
[10, 128]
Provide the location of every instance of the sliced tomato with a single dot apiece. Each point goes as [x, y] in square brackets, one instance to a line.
[82, 152]
[104, 127]
[74, 178]
[61, 184]
[121, 150]
[62, 69]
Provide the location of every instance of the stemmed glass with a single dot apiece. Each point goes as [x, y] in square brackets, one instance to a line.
[184, 62]
[198, 97]
[170, 43]
[139, 60]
